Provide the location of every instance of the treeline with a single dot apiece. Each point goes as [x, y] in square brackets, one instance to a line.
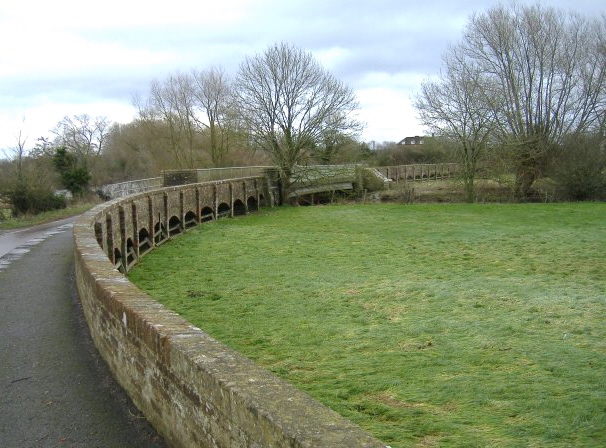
[282, 109]
[521, 97]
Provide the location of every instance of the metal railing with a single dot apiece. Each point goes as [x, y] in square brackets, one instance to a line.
[420, 171]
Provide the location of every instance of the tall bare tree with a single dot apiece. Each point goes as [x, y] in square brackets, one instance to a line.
[213, 93]
[454, 107]
[184, 108]
[18, 155]
[169, 112]
[289, 103]
[545, 79]
[133, 152]
[82, 135]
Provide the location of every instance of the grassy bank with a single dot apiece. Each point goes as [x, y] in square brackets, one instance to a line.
[428, 325]
[42, 218]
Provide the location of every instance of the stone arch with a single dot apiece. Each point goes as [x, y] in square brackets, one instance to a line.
[262, 201]
[190, 220]
[117, 258]
[109, 243]
[252, 204]
[145, 242]
[175, 227]
[223, 210]
[239, 208]
[131, 255]
[207, 214]
[160, 233]
[99, 233]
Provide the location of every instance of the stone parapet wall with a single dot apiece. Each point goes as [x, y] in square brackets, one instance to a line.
[194, 390]
[122, 189]
[191, 176]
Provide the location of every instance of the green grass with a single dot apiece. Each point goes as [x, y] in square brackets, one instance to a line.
[428, 325]
[42, 218]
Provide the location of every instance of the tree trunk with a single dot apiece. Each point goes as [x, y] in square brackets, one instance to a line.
[531, 159]
[523, 184]
[285, 185]
[468, 183]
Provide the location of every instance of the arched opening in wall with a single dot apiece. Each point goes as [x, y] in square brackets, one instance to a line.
[174, 226]
[99, 233]
[252, 204]
[118, 260]
[207, 214]
[131, 256]
[223, 210]
[160, 234]
[109, 242]
[145, 242]
[190, 220]
[262, 201]
[239, 208]
[323, 197]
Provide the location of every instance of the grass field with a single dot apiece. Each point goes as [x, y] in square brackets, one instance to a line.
[427, 325]
[42, 218]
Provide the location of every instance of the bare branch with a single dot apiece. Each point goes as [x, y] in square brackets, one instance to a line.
[289, 104]
[538, 73]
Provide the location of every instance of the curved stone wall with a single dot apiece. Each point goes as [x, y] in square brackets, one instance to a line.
[194, 390]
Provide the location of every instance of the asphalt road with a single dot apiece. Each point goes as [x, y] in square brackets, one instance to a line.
[55, 390]
[11, 239]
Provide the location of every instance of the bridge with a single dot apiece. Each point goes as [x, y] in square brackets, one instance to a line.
[131, 228]
[166, 206]
[306, 180]
[194, 390]
[420, 172]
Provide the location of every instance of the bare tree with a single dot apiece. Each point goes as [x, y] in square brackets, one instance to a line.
[170, 113]
[132, 152]
[537, 73]
[213, 93]
[454, 107]
[82, 136]
[545, 78]
[184, 108]
[289, 103]
[18, 157]
[27, 180]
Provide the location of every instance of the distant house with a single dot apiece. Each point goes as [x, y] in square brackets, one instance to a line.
[416, 140]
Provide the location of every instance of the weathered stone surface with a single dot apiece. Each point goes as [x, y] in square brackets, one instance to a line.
[122, 189]
[193, 389]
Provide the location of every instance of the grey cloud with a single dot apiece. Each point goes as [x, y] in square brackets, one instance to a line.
[399, 39]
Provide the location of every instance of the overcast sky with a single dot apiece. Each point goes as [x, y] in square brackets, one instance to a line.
[71, 57]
